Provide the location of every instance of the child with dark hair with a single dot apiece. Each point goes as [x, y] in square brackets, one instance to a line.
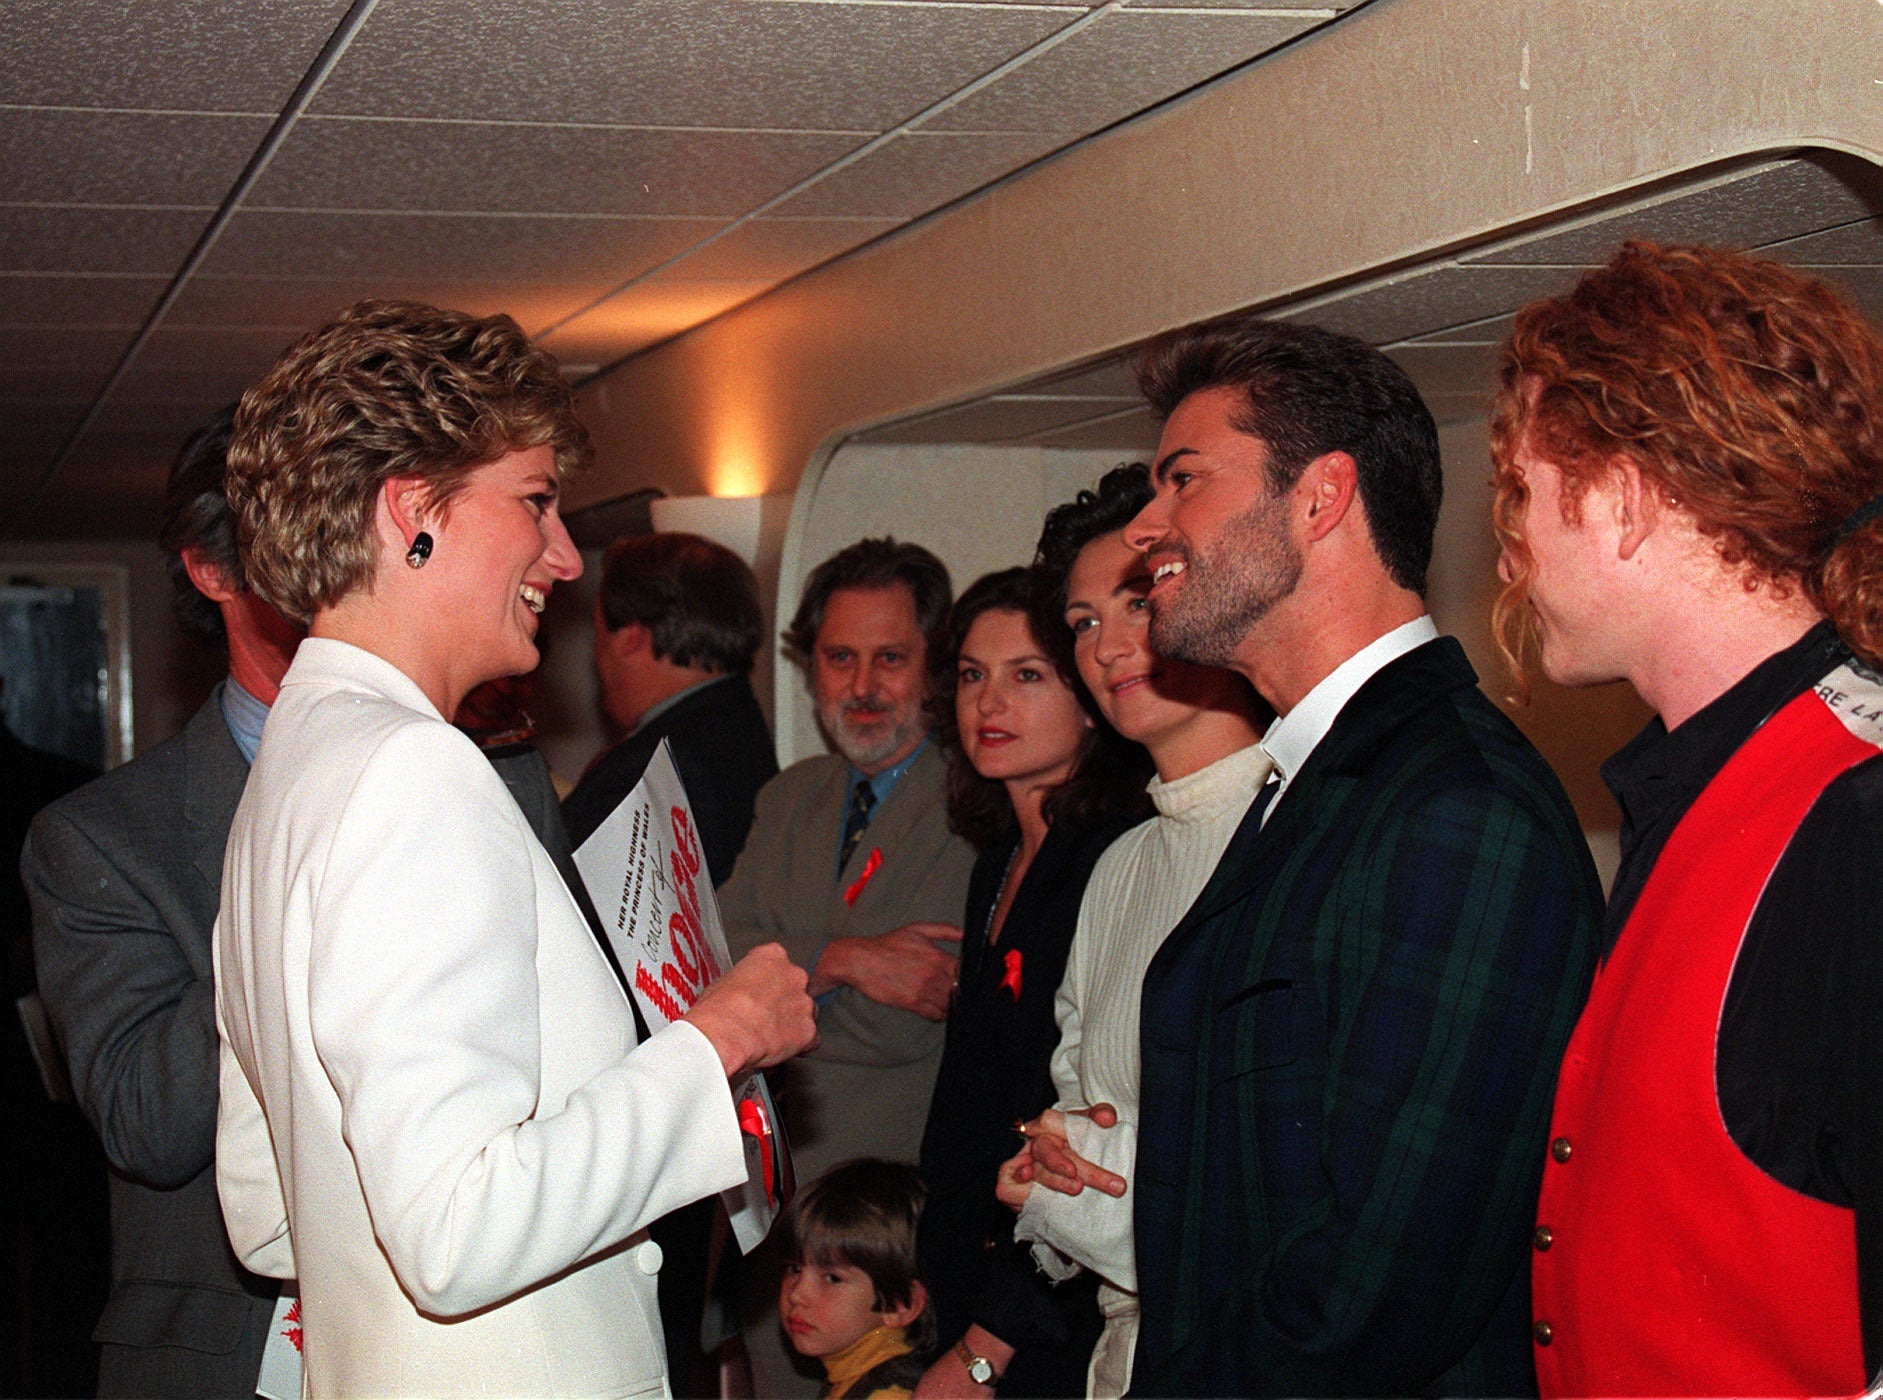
[850, 1296]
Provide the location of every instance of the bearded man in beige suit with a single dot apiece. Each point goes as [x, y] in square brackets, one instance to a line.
[851, 866]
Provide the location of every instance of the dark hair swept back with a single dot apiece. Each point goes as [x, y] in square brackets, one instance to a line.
[196, 515]
[863, 1213]
[1109, 773]
[1306, 392]
[873, 563]
[1121, 493]
[697, 599]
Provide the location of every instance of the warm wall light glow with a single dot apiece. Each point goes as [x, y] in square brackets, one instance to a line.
[736, 478]
[729, 520]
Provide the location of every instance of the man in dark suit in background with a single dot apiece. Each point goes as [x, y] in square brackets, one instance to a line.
[124, 877]
[677, 630]
[1348, 1042]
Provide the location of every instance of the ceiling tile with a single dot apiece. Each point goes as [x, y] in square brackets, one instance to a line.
[28, 299]
[402, 165]
[448, 247]
[301, 303]
[89, 349]
[97, 240]
[123, 157]
[990, 420]
[916, 173]
[1118, 66]
[770, 250]
[1853, 245]
[1491, 330]
[1864, 285]
[1131, 433]
[1429, 300]
[1114, 379]
[726, 63]
[642, 316]
[177, 55]
[38, 383]
[157, 428]
[1743, 209]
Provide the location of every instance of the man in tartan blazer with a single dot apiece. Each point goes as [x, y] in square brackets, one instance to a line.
[1349, 1041]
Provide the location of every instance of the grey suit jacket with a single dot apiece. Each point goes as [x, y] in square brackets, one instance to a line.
[124, 876]
[865, 1090]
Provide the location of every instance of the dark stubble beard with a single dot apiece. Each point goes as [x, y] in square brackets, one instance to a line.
[1228, 588]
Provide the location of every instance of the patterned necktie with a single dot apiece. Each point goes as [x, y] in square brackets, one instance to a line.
[862, 803]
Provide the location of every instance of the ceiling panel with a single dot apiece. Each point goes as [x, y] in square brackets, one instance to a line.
[832, 67]
[1118, 66]
[177, 55]
[772, 249]
[306, 302]
[1131, 433]
[69, 157]
[642, 315]
[1431, 299]
[913, 174]
[1744, 209]
[57, 299]
[1114, 379]
[50, 384]
[1854, 245]
[97, 240]
[401, 165]
[89, 349]
[1001, 418]
[525, 248]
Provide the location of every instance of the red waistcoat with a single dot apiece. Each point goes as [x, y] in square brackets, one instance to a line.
[1665, 1262]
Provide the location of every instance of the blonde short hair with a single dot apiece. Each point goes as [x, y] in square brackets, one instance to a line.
[390, 389]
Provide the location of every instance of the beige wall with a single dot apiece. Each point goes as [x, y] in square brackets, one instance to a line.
[1405, 130]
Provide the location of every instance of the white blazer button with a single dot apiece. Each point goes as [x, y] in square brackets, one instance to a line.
[647, 1257]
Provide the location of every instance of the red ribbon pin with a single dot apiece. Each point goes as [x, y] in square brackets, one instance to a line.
[862, 882]
[1010, 979]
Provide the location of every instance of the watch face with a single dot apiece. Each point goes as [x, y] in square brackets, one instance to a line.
[981, 1371]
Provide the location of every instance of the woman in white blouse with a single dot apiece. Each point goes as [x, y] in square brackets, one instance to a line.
[434, 1110]
[1200, 726]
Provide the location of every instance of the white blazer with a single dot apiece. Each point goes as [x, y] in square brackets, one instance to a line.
[433, 1111]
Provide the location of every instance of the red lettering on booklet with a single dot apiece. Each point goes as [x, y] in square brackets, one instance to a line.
[669, 1009]
[293, 1330]
[692, 964]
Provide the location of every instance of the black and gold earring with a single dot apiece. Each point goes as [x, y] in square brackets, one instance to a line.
[420, 551]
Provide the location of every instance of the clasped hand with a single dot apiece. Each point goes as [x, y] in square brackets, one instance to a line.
[1047, 1159]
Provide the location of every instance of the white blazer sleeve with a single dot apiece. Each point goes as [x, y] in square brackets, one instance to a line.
[248, 1180]
[424, 1011]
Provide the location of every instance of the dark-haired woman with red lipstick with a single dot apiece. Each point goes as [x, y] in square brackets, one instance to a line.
[1041, 785]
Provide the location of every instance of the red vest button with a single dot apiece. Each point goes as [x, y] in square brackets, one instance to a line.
[1541, 1331]
[1543, 1238]
[1560, 1149]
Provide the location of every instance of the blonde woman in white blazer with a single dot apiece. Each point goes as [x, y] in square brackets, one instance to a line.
[434, 1111]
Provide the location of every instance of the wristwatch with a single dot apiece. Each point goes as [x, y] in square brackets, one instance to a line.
[980, 1370]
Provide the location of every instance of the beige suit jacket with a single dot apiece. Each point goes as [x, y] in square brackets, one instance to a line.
[865, 1090]
[433, 1107]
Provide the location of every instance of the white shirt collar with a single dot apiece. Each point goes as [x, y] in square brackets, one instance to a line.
[1294, 736]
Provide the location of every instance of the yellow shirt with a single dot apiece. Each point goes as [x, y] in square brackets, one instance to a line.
[845, 1368]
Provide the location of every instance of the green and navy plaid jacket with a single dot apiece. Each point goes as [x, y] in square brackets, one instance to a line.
[1350, 1045]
